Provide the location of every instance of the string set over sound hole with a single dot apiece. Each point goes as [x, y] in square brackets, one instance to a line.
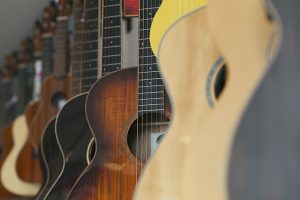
[145, 134]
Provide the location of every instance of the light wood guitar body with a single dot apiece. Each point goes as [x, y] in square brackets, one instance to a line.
[189, 74]
[21, 167]
[18, 136]
[191, 163]
[8, 143]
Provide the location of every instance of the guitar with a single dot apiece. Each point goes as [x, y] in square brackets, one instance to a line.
[57, 181]
[264, 148]
[5, 117]
[77, 159]
[52, 92]
[202, 175]
[24, 85]
[127, 116]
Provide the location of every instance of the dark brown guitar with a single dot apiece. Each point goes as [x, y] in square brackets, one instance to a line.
[128, 112]
[72, 129]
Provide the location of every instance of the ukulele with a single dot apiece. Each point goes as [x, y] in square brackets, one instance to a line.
[128, 112]
[206, 156]
[17, 167]
[52, 93]
[85, 74]
[52, 158]
[264, 139]
[6, 115]
[175, 182]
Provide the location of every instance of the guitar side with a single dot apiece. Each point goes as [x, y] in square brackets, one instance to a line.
[8, 144]
[73, 135]
[28, 167]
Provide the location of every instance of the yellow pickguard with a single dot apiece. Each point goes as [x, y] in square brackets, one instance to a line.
[168, 13]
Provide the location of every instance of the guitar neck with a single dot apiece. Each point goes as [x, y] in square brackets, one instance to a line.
[111, 32]
[110, 41]
[89, 55]
[60, 47]
[77, 47]
[47, 58]
[24, 86]
[151, 88]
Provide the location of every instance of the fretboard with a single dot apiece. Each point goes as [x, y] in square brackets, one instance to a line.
[6, 87]
[77, 46]
[151, 88]
[60, 47]
[47, 55]
[24, 86]
[111, 49]
[89, 54]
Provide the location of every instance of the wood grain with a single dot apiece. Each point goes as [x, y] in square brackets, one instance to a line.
[186, 59]
[111, 108]
[28, 165]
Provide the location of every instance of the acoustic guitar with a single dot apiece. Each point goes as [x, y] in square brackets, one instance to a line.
[52, 92]
[77, 141]
[57, 182]
[202, 175]
[128, 112]
[264, 140]
[6, 117]
[14, 171]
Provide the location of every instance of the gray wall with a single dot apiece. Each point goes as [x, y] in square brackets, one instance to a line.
[16, 21]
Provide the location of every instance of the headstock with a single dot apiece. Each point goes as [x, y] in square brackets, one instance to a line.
[37, 37]
[62, 8]
[25, 53]
[10, 65]
[49, 17]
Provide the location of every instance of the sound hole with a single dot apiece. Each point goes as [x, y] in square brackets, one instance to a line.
[145, 133]
[58, 99]
[220, 81]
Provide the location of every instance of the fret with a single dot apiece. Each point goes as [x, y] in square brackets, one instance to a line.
[111, 32]
[113, 51]
[113, 10]
[111, 21]
[149, 76]
[144, 43]
[147, 59]
[87, 56]
[90, 36]
[152, 95]
[150, 82]
[91, 4]
[112, 41]
[47, 58]
[109, 3]
[151, 89]
[91, 25]
[150, 110]
[111, 59]
[151, 107]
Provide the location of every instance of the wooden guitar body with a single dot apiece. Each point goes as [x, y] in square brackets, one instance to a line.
[265, 150]
[19, 134]
[247, 51]
[74, 137]
[8, 143]
[27, 160]
[190, 62]
[111, 109]
[52, 158]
